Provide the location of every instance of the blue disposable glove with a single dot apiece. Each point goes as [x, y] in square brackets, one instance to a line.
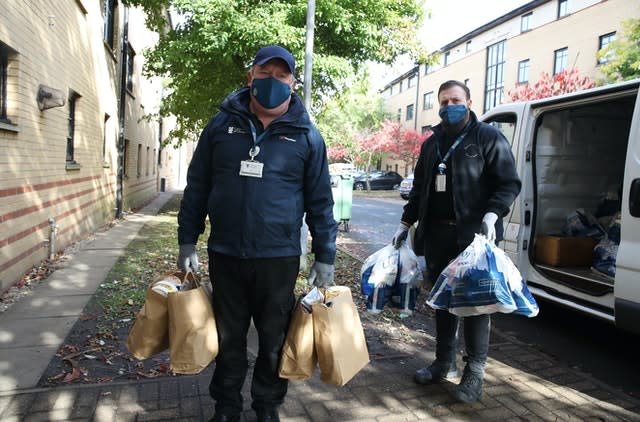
[188, 258]
[488, 227]
[321, 274]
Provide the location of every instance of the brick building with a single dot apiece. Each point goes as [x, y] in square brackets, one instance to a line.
[75, 150]
[540, 36]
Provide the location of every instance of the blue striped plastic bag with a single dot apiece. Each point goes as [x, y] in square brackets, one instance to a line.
[482, 280]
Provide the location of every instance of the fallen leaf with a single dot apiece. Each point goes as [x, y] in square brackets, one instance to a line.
[73, 375]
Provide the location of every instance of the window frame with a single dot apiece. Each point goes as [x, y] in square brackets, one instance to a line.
[108, 22]
[427, 100]
[563, 8]
[494, 79]
[610, 37]
[72, 103]
[410, 112]
[560, 56]
[523, 68]
[131, 55]
[525, 22]
[6, 54]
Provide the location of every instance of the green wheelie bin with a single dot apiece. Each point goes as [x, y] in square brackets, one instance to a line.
[342, 190]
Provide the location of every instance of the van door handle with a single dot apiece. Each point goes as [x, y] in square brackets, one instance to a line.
[527, 218]
[634, 198]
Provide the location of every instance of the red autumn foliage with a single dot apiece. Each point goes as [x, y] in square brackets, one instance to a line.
[550, 85]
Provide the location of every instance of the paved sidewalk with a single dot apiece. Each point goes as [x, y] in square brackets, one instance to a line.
[522, 384]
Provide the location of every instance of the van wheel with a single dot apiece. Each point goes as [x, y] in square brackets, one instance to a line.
[359, 186]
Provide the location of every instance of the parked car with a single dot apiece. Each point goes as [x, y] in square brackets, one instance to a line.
[378, 180]
[405, 186]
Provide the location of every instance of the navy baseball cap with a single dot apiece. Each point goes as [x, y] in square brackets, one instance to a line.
[271, 52]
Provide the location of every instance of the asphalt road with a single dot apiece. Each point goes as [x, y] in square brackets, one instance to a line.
[591, 345]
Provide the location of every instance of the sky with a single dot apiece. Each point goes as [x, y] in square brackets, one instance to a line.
[448, 21]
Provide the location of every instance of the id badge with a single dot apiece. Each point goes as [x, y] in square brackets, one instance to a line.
[441, 182]
[251, 168]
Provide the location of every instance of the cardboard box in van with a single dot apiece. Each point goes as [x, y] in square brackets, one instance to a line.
[561, 251]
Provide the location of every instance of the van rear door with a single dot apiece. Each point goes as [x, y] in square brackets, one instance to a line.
[510, 120]
[627, 280]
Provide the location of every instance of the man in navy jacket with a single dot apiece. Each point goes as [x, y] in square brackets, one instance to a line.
[259, 166]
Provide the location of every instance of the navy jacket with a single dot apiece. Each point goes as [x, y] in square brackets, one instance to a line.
[484, 180]
[259, 217]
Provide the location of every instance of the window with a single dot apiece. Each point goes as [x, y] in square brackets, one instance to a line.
[447, 58]
[466, 82]
[411, 81]
[603, 42]
[105, 129]
[467, 48]
[428, 69]
[147, 163]
[130, 56]
[5, 53]
[153, 168]
[71, 127]
[409, 115]
[525, 22]
[125, 157]
[400, 86]
[426, 129]
[563, 8]
[139, 161]
[108, 16]
[494, 84]
[560, 61]
[523, 71]
[399, 114]
[427, 101]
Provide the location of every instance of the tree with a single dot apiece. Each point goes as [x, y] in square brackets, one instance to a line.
[207, 56]
[561, 83]
[622, 56]
[352, 114]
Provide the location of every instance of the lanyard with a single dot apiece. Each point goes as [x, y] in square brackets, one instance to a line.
[442, 167]
[255, 149]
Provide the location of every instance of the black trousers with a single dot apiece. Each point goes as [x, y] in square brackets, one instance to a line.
[261, 289]
[441, 247]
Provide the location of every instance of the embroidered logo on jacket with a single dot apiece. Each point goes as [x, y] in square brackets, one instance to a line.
[284, 138]
[232, 130]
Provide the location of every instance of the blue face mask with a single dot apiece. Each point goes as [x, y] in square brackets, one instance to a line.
[451, 115]
[270, 92]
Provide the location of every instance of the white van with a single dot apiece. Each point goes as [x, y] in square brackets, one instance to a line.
[574, 153]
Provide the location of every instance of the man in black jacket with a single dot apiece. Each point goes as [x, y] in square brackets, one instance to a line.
[259, 166]
[465, 180]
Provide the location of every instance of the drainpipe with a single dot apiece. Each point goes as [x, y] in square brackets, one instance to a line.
[53, 230]
[121, 114]
[415, 114]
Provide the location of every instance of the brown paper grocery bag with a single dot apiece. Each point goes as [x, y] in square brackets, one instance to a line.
[149, 334]
[339, 337]
[193, 338]
[298, 359]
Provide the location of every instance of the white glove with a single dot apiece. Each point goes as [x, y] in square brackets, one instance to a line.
[400, 236]
[188, 258]
[321, 274]
[488, 227]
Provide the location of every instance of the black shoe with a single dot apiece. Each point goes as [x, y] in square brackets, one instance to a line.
[436, 372]
[470, 388]
[221, 417]
[268, 415]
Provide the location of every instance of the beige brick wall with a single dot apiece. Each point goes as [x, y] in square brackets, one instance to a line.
[579, 32]
[60, 44]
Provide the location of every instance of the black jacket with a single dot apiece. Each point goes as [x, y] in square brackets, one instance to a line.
[259, 217]
[484, 179]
